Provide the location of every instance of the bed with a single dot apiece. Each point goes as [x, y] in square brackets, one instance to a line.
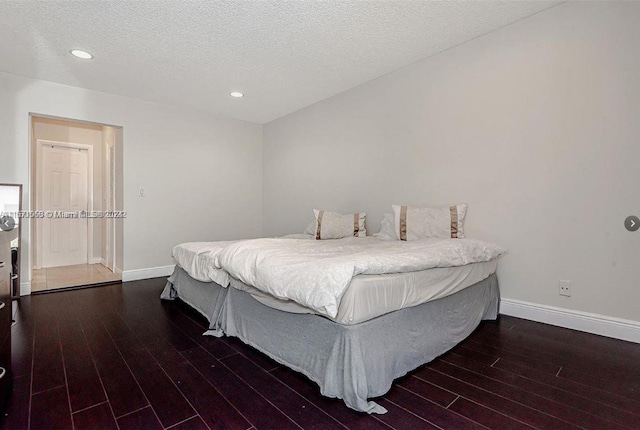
[357, 339]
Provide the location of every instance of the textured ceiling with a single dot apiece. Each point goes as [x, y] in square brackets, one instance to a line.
[284, 55]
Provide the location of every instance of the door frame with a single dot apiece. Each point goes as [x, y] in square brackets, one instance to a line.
[36, 226]
[108, 189]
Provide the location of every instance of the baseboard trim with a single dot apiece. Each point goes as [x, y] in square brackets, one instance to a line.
[95, 261]
[25, 288]
[151, 272]
[583, 321]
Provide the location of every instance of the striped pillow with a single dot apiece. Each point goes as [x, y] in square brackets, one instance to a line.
[419, 223]
[332, 225]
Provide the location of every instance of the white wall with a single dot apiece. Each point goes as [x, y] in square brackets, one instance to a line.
[202, 174]
[74, 132]
[536, 126]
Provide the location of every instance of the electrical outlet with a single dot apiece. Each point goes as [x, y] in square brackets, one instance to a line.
[565, 288]
[140, 192]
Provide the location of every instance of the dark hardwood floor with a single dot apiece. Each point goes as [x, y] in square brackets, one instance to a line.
[117, 357]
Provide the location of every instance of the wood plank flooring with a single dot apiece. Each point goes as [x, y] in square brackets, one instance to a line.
[116, 357]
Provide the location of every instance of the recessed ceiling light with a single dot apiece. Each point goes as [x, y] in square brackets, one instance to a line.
[236, 94]
[81, 54]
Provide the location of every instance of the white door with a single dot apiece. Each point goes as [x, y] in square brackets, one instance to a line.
[64, 193]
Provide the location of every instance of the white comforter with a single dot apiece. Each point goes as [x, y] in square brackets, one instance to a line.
[316, 273]
[198, 260]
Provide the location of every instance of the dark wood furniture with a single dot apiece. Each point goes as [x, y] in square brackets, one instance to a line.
[10, 203]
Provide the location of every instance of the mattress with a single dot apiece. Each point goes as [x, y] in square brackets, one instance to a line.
[317, 273]
[369, 296]
[364, 296]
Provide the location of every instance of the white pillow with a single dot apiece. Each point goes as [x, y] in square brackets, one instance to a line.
[419, 223]
[332, 225]
[387, 231]
[311, 228]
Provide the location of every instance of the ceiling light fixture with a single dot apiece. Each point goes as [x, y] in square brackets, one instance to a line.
[81, 54]
[236, 94]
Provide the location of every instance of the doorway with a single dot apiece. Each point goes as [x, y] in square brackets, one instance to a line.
[73, 177]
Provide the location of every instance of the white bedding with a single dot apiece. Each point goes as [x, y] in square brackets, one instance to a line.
[316, 273]
[198, 260]
[369, 296]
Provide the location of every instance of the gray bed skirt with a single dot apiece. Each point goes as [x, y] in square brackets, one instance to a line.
[351, 362]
